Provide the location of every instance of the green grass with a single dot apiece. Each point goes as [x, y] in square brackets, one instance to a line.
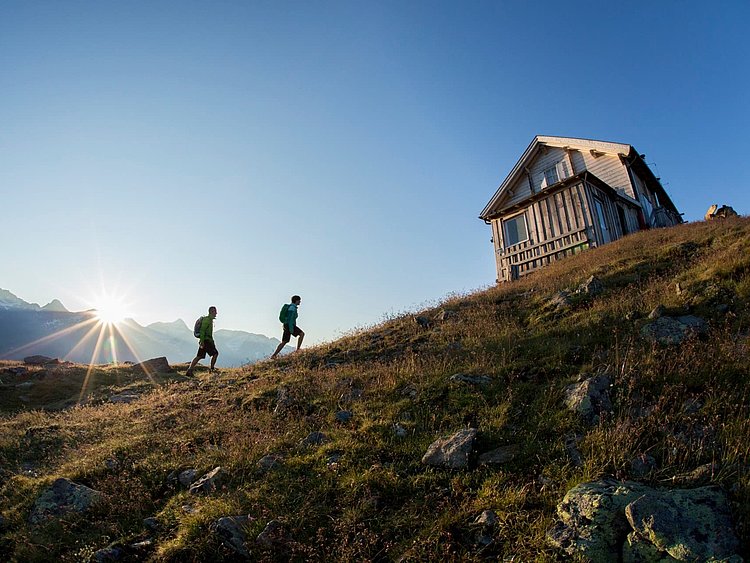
[364, 494]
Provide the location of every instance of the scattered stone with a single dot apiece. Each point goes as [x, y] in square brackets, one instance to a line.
[409, 391]
[678, 288]
[313, 439]
[127, 396]
[152, 366]
[671, 330]
[445, 314]
[20, 370]
[560, 301]
[499, 456]
[231, 530]
[590, 398]
[344, 416]
[270, 461]
[111, 463]
[488, 519]
[716, 212]
[632, 315]
[423, 322]
[273, 536]
[187, 477]
[692, 406]
[722, 308]
[642, 466]
[284, 401]
[63, 497]
[591, 287]
[452, 452]
[701, 475]
[608, 520]
[111, 553]
[399, 431]
[209, 483]
[188, 509]
[471, 379]
[151, 524]
[39, 360]
[657, 312]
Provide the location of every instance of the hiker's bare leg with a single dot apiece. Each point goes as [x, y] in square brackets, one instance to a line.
[299, 340]
[213, 360]
[193, 364]
[279, 348]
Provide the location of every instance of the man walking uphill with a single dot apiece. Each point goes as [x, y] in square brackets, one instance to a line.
[288, 317]
[206, 343]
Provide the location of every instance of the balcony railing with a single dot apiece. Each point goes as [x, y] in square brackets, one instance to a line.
[527, 256]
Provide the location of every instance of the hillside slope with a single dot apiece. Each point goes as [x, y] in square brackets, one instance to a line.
[328, 443]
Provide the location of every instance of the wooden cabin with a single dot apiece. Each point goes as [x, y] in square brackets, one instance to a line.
[565, 195]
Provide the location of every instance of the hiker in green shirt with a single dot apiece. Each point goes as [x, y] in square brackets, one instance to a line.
[288, 317]
[206, 344]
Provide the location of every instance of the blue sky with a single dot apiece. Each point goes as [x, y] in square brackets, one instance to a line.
[185, 154]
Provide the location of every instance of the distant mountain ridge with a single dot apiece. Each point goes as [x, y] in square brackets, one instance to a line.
[27, 329]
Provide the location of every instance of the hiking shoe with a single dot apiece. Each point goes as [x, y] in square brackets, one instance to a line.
[189, 373]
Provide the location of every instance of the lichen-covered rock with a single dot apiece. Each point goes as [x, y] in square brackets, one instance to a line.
[687, 524]
[591, 287]
[452, 452]
[499, 456]
[625, 521]
[589, 398]
[63, 497]
[313, 439]
[673, 330]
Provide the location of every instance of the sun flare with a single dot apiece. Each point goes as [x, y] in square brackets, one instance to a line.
[110, 310]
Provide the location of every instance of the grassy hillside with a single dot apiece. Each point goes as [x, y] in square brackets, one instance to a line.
[363, 494]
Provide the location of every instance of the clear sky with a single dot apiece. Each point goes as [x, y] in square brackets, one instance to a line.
[233, 153]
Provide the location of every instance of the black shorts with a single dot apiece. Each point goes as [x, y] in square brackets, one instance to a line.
[208, 348]
[287, 336]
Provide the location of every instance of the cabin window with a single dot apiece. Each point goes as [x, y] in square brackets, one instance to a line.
[515, 230]
[554, 174]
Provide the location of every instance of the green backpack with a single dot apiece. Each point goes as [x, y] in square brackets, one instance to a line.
[284, 313]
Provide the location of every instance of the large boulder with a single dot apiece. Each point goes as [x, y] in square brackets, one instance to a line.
[608, 520]
[39, 360]
[589, 398]
[154, 365]
[61, 498]
[452, 452]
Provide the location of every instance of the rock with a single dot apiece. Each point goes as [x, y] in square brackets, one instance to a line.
[152, 366]
[187, 477]
[343, 417]
[642, 466]
[444, 315]
[608, 520]
[590, 398]
[701, 475]
[40, 360]
[591, 287]
[273, 536]
[488, 519]
[210, 482]
[313, 439]
[20, 370]
[632, 315]
[231, 530]
[716, 212]
[284, 401]
[670, 330]
[471, 379]
[111, 553]
[125, 397]
[560, 301]
[571, 447]
[270, 461]
[423, 322]
[688, 524]
[63, 497]
[657, 312]
[452, 452]
[151, 524]
[399, 431]
[499, 456]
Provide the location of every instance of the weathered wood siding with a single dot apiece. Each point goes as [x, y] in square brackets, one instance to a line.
[610, 169]
[544, 159]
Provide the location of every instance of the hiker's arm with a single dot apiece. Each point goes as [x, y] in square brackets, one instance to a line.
[291, 317]
[202, 338]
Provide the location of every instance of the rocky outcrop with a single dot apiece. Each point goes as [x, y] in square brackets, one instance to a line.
[499, 456]
[210, 482]
[63, 497]
[608, 520]
[231, 530]
[471, 379]
[39, 360]
[452, 452]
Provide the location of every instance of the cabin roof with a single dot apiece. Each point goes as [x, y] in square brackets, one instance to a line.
[602, 147]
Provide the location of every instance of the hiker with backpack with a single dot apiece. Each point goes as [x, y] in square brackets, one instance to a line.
[288, 318]
[204, 332]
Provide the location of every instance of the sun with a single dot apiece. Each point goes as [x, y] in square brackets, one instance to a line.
[110, 309]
